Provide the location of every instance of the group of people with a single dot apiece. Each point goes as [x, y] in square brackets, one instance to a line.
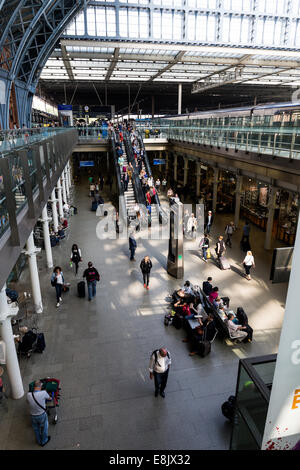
[237, 325]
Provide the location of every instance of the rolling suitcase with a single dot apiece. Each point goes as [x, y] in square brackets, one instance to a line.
[94, 206]
[40, 343]
[81, 289]
[204, 348]
[177, 322]
[224, 263]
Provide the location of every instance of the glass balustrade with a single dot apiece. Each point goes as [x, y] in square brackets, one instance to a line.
[259, 135]
[18, 138]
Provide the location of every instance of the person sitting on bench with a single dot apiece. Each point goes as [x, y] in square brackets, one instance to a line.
[214, 294]
[198, 333]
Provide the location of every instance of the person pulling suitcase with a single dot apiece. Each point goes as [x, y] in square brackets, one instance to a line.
[92, 276]
[220, 250]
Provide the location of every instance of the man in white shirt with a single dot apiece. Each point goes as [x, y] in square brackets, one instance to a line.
[160, 362]
[39, 418]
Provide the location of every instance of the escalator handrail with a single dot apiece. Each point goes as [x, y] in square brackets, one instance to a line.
[137, 186]
[123, 210]
[162, 214]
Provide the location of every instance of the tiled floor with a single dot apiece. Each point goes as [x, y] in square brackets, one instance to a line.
[100, 349]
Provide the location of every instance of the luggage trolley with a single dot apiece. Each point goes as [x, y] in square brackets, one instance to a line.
[52, 386]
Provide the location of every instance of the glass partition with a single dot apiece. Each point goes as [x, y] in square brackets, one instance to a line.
[254, 384]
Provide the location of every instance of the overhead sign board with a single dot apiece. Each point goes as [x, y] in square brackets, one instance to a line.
[87, 163]
[159, 162]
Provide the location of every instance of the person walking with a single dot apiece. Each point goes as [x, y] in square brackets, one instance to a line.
[57, 281]
[39, 418]
[159, 366]
[246, 230]
[92, 276]
[75, 256]
[146, 265]
[248, 264]
[209, 222]
[204, 244]
[132, 246]
[229, 229]
[220, 249]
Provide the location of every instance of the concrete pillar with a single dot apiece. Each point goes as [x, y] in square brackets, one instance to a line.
[60, 204]
[215, 189]
[69, 174]
[153, 106]
[175, 167]
[31, 251]
[198, 178]
[167, 162]
[185, 171]
[63, 185]
[54, 210]
[271, 208]
[12, 363]
[66, 183]
[179, 97]
[238, 190]
[45, 219]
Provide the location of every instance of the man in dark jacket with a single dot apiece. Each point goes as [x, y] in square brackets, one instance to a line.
[207, 286]
[132, 246]
[92, 276]
[220, 248]
[146, 266]
[208, 222]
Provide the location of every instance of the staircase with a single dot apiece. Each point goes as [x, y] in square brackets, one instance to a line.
[129, 194]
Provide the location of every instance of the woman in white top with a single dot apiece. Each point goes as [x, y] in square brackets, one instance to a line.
[248, 264]
[57, 281]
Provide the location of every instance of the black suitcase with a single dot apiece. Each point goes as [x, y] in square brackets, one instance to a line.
[94, 206]
[204, 348]
[228, 408]
[177, 322]
[81, 289]
[40, 343]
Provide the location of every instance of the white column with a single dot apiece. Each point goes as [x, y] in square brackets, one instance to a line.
[215, 189]
[271, 208]
[179, 97]
[54, 210]
[238, 190]
[198, 178]
[60, 204]
[185, 171]
[45, 219]
[31, 251]
[282, 425]
[12, 363]
[63, 185]
[66, 183]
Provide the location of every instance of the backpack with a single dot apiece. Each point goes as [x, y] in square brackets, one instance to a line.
[155, 355]
[228, 408]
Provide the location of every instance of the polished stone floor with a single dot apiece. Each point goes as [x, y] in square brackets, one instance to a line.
[100, 349]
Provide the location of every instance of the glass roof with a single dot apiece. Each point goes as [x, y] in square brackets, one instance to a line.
[246, 41]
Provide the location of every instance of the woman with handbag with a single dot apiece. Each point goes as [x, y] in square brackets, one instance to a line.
[57, 281]
[75, 256]
[248, 264]
[204, 244]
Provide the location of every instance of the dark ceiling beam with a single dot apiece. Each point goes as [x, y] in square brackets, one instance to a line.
[113, 64]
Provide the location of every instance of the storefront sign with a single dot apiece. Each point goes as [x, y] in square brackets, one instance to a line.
[159, 162]
[87, 163]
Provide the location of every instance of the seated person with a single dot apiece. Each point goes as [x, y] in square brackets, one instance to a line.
[61, 233]
[186, 293]
[236, 331]
[222, 313]
[199, 311]
[218, 302]
[182, 308]
[242, 319]
[207, 286]
[208, 328]
[64, 223]
[214, 294]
